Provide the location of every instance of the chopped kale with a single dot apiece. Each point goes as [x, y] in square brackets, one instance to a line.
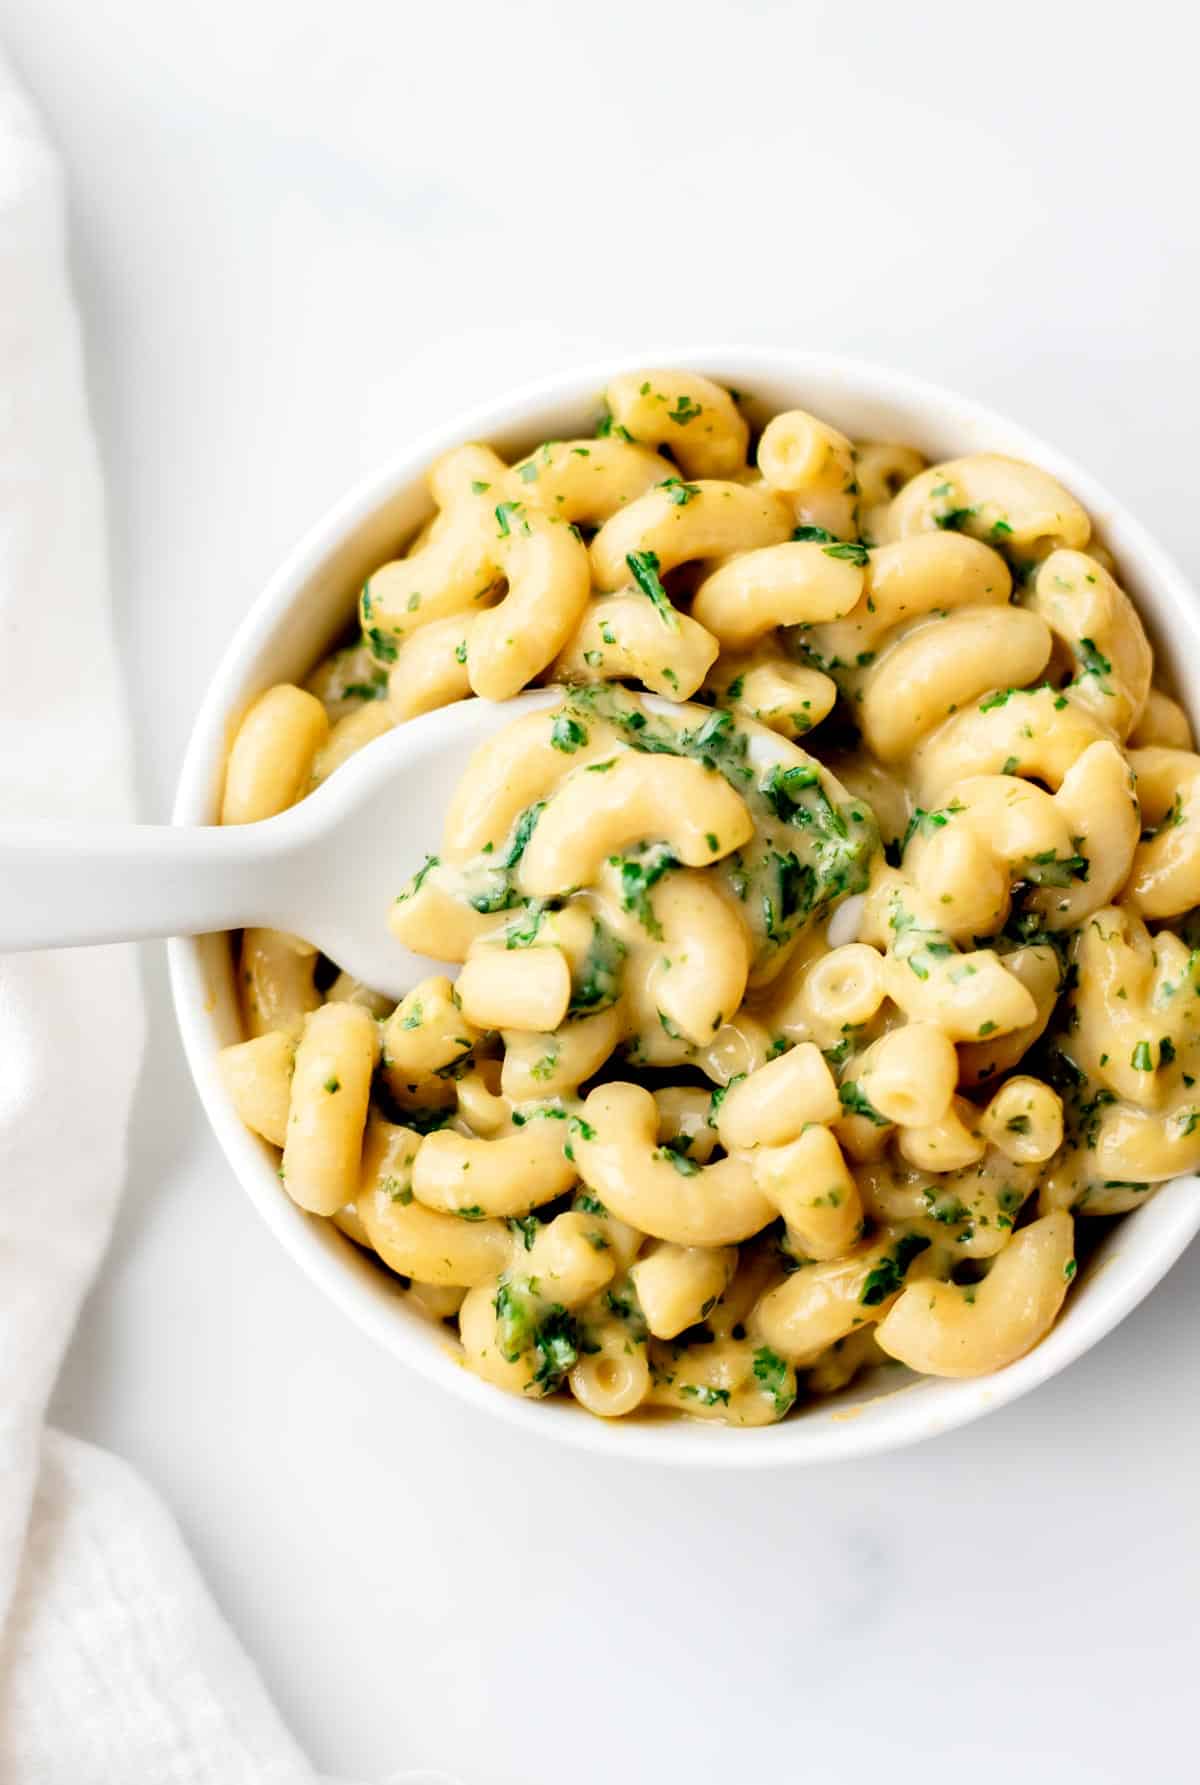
[596, 981]
[644, 568]
[567, 734]
[418, 879]
[1094, 663]
[678, 492]
[527, 1227]
[705, 1395]
[685, 410]
[888, 1276]
[639, 874]
[855, 1102]
[776, 1378]
[676, 1156]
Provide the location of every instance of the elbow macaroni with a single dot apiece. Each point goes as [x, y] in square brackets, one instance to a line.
[914, 1001]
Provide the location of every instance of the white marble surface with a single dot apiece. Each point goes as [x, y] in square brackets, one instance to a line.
[302, 231]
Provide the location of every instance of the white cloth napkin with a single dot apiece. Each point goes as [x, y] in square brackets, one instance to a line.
[115, 1666]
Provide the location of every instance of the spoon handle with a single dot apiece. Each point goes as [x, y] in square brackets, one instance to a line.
[69, 885]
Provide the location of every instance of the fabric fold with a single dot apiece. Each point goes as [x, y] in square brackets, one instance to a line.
[114, 1662]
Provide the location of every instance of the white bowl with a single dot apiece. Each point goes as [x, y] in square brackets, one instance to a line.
[309, 602]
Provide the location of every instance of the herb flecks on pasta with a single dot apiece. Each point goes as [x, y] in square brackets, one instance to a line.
[822, 955]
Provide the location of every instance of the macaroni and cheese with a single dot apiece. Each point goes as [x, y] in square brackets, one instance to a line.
[815, 966]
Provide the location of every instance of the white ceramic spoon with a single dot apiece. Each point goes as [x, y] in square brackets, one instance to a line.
[327, 869]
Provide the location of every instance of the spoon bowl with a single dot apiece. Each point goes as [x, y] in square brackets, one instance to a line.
[327, 869]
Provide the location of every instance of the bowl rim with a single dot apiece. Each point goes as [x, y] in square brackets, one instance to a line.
[825, 1435]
